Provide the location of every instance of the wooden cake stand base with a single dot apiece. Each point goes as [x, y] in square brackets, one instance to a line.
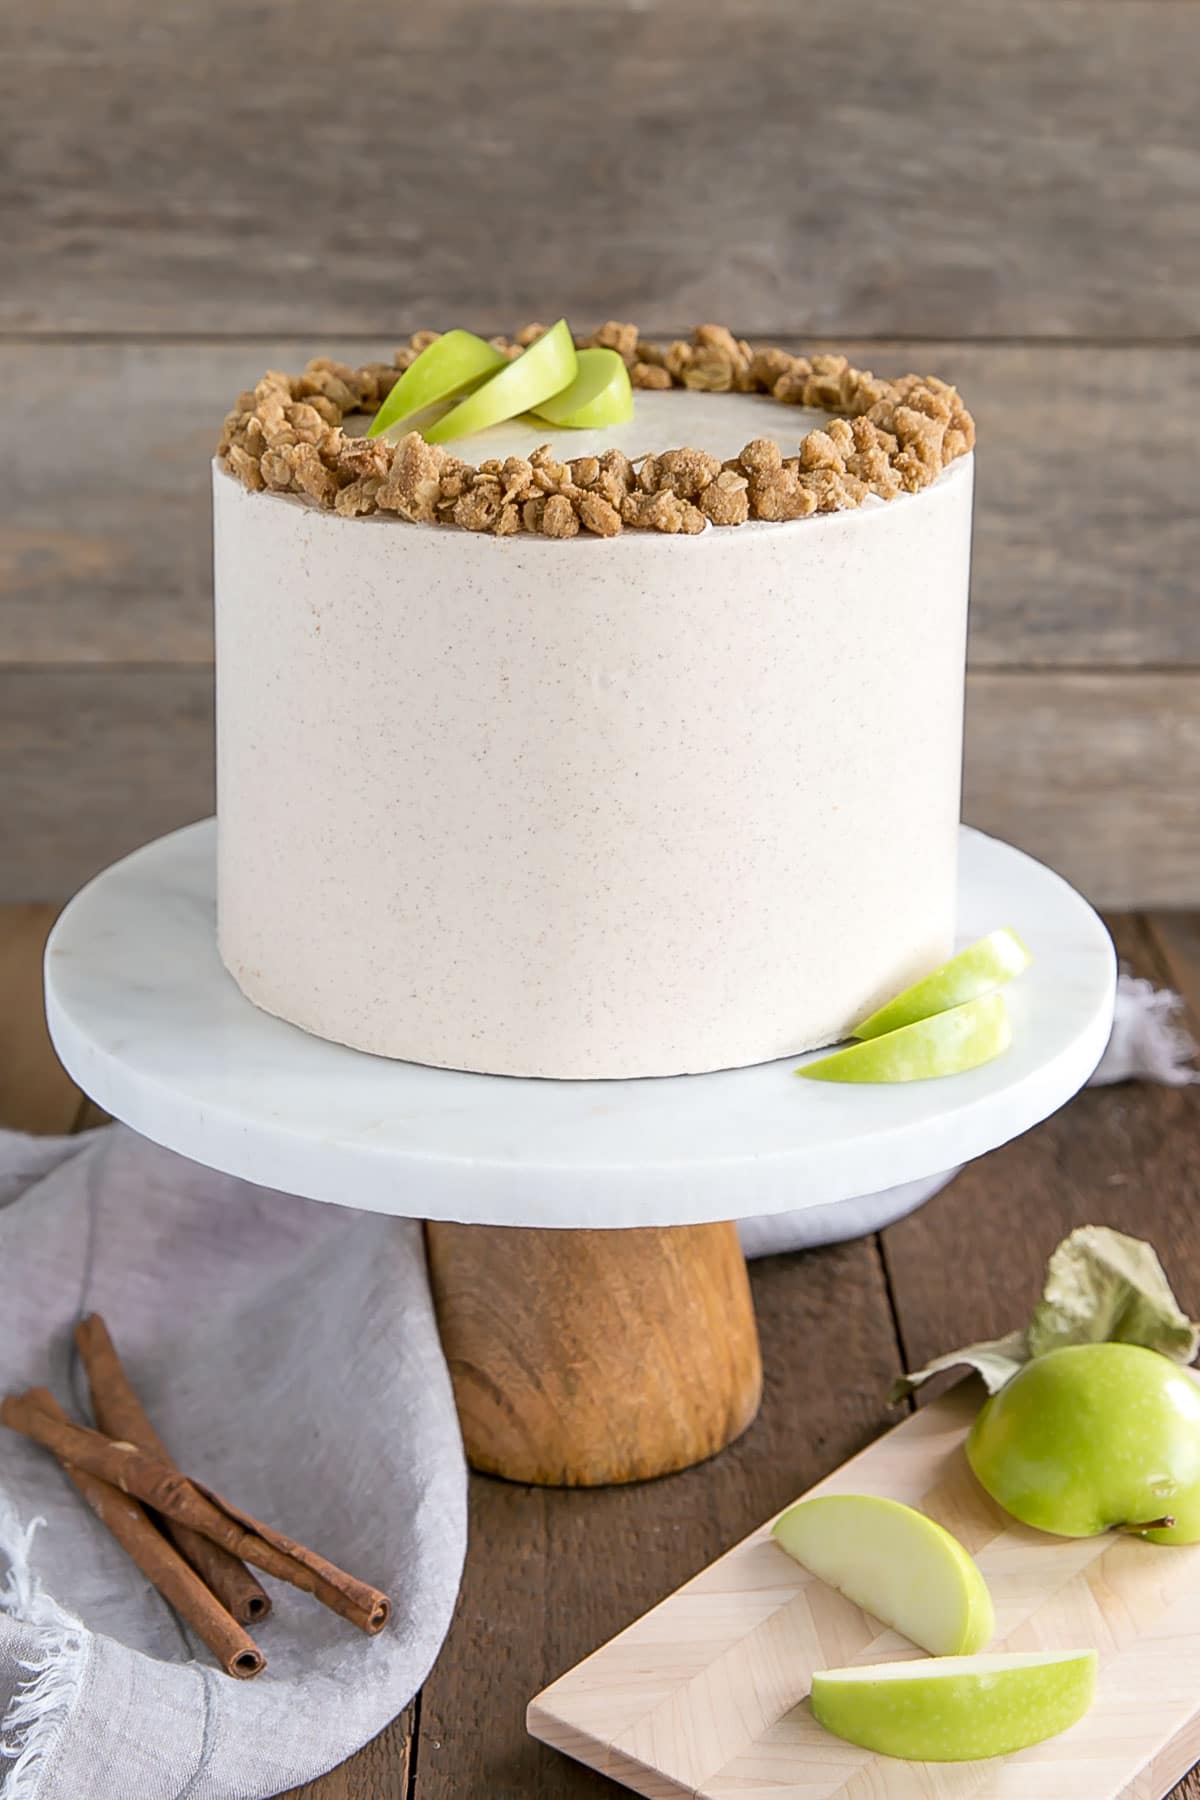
[586, 1357]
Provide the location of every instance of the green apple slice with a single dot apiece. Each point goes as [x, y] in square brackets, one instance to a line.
[897, 1564]
[956, 1708]
[548, 366]
[599, 395]
[979, 969]
[451, 364]
[947, 1044]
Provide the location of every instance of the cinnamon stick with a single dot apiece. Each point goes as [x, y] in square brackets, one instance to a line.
[166, 1491]
[120, 1414]
[176, 1581]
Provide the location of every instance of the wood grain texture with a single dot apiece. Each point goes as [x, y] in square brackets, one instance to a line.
[1177, 1760]
[91, 1117]
[866, 168]
[705, 1698]
[1084, 555]
[1085, 548]
[1188, 1789]
[551, 1574]
[1128, 1156]
[1096, 774]
[582, 1358]
[106, 521]
[1177, 938]
[969, 1264]
[93, 768]
[379, 1771]
[36, 1093]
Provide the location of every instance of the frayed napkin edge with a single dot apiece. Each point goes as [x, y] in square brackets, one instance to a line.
[1150, 1040]
[44, 1702]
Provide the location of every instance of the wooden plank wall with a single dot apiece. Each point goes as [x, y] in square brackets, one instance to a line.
[1008, 194]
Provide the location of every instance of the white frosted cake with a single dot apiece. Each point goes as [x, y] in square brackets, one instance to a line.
[601, 789]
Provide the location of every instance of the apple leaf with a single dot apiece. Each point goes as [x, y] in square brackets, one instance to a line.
[1105, 1288]
[995, 1359]
[1100, 1287]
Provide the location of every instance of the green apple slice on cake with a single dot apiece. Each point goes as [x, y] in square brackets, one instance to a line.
[946, 1044]
[549, 365]
[449, 366]
[599, 395]
[979, 969]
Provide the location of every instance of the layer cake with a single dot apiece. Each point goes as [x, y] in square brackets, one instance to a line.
[644, 802]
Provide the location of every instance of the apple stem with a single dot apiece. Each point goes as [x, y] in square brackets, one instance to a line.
[1163, 1524]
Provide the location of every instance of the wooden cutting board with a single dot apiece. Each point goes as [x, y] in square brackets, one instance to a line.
[706, 1696]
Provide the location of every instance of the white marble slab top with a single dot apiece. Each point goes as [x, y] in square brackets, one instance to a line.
[149, 1024]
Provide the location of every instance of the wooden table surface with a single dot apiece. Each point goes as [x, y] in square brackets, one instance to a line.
[550, 1575]
[1005, 194]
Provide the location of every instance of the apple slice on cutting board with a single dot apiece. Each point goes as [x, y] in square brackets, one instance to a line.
[956, 1708]
[897, 1564]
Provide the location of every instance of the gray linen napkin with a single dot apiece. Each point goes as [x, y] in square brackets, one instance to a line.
[287, 1352]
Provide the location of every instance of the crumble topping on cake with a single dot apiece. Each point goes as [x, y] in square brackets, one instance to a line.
[286, 435]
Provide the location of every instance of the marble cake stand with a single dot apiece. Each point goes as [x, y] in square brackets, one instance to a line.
[592, 1296]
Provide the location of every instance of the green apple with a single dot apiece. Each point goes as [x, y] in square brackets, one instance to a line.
[548, 366]
[1093, 1436]
[599, 395]
[450, 365]
[896, 1564]
[946, 1044]
[979, 969]
[956, 1708]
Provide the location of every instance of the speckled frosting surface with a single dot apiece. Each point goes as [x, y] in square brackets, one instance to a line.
[584, 809]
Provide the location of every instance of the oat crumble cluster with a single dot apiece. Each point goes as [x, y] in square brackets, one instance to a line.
[285, 434]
